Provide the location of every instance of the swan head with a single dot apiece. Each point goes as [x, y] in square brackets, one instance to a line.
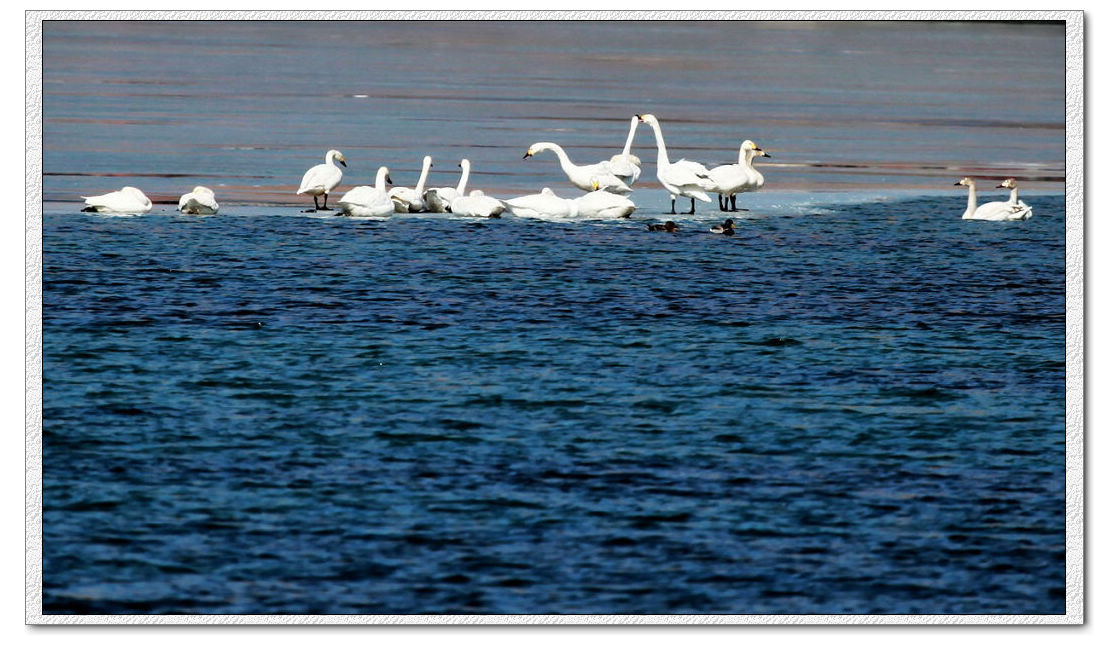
[464, 164]
[649, 119]
[337, 156]
[383, 176]
[1008, 183]
[536, 148]
[753, 148]
[965, 181]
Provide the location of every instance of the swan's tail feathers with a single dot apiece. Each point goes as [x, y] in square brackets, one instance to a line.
[697, 194]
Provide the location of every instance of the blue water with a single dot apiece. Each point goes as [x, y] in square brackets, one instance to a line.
[845, 408]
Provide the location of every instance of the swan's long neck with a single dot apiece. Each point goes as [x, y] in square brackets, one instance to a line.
[423, 178]
[972, 200]
[330, 158]
[1013, 199]
[747, 158]
[663, 160]
[381, 172]
[465, 178]
[631, 135]
[563, 159]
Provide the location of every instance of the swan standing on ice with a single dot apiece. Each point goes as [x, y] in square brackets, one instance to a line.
[686, 178]
[321, 179]
[991, 211]
[1015, 202]
[369, 201]
[202, 201]
[600, 204]
[411, 200]
[626, 165]
[125, 201]
[544, 204]
[738, 177]
[438, 200]
[476, 204]
[582, 176]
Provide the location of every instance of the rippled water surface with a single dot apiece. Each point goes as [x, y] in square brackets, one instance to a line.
[854, 405]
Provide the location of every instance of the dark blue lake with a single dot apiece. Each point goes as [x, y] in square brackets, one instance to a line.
[853, 405]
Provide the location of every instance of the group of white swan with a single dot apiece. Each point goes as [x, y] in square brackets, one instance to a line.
[606, 183]
[1014, 209]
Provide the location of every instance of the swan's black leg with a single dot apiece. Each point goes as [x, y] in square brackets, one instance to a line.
[314, 203]
[692, 206]
[720, 201]
[672, 211]
[733, 203]
[325, 208]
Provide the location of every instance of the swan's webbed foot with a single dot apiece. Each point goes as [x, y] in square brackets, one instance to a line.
[325, 208]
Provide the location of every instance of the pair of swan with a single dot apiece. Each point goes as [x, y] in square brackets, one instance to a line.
[595, 205]
[614, 175]
[455, 200]
[1014, 209]
[739, 177]
[322, 179]
[683, 178]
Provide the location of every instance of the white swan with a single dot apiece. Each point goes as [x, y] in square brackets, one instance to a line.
[599, 204]
[438, 200]
[626, 165]
[1018, 205]
[125, 201]
[411, 200]
[991, 211]
[686, 178]
[321, 179]
[738, 177]
[201, 201]
[583, 177]
[369, 201]
[544, 204]
[476, 204]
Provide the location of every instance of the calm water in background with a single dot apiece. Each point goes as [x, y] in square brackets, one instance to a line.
[854, 405]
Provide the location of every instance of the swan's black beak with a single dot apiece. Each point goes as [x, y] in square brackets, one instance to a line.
[343, 162]
[388, 180]
[527, 154]
[640, 117]
[765, 154]
[958, 183]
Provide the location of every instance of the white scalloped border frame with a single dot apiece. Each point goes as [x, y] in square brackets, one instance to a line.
[1075, 326]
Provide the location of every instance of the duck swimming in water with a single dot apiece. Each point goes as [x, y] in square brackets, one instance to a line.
[727, 228]
[668, 227]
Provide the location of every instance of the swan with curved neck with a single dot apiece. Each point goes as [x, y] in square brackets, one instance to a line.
[681, 178]
[739, 177]
[411, 200]
[991, 211]
[369, 201]
[322, 179]
[582, 176]
[438, 200]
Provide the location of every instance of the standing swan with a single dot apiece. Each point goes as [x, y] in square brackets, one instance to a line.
[582, 176]
[369, 201]
[125, 201]
[202, 201]
[738, 177]
[438, 200]
[626, 165]
[411, 200]
[992, 211]
[1015, 202]
[687, 178]
[321, 179]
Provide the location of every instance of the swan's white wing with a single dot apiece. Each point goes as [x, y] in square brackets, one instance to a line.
[320, 179]
[119, 202]
[728, 179]
[602, 204]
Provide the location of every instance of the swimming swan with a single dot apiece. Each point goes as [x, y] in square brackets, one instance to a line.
[686, 178]
[738, 177]
[411, 200]
[125, 201]
[991, 211]
[1015, 202]
[600, 204]
[583, 177]
[476, 204]
[369, 201]
[438, 200]
[321, 179]
[202, 201]
[626, 165]
[544, 204]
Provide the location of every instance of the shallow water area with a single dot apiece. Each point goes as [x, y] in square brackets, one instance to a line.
[829, 412]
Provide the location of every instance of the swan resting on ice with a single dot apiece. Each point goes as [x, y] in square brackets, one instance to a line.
[322, 179]
[201, 201]
[544, 204]
[683, 177]
[476, 204]
[739, 177]
[411, 200]
[125, 201]
[602, 204]
[369, 201]
[1014, 209]
[438, 200]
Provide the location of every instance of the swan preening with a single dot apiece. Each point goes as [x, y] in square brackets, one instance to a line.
[1014, 209]
[411, 200]
[201, 201]
[369, 201]
[125, 201]
[322, 179]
